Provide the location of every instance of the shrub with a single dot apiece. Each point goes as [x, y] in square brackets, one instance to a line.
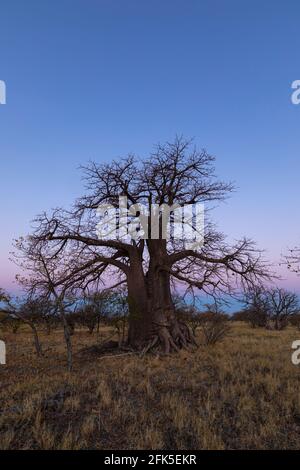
[214, 326]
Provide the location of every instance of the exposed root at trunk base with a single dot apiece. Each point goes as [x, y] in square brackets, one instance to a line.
[165, 337]
[169, 337]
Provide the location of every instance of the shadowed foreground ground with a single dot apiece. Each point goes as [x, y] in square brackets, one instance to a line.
[240, 394]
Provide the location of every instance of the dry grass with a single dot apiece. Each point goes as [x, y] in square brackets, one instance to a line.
[240, 393]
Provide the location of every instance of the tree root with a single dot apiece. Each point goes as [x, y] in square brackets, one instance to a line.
[164, 338]
[169, 337]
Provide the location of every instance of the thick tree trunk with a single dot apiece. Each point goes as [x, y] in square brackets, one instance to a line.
[172, 333]
[139, 315]
[152, 319]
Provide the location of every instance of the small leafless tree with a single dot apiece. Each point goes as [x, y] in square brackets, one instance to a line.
[93, 309]
[270, 307]
[42, 280]
[31, 312]
[118, 313]
[257, 310]
[282, 305]
[23, 312]
[7, 320]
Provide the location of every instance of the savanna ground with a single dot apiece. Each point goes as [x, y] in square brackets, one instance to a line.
[242, 393]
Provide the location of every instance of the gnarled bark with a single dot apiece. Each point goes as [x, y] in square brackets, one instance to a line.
[152, 319]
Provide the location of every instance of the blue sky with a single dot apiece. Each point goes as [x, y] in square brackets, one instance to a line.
[91, 79]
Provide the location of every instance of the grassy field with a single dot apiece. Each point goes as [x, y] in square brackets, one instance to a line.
[242, 393]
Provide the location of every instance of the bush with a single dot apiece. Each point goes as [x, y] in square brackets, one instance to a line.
[294, 320]
[214, 326]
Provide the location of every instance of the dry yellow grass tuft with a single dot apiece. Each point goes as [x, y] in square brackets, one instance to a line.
[242, 393]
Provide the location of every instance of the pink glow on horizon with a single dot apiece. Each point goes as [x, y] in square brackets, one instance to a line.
[8, 271]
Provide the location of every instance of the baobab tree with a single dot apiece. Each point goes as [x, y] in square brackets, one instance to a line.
[175, 174]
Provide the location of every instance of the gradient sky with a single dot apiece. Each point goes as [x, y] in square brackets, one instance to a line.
[97, 79]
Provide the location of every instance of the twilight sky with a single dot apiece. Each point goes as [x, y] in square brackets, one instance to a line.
[97, 79]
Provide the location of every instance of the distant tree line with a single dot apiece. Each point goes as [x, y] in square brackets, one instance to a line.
[272, 308]
[105, 307]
